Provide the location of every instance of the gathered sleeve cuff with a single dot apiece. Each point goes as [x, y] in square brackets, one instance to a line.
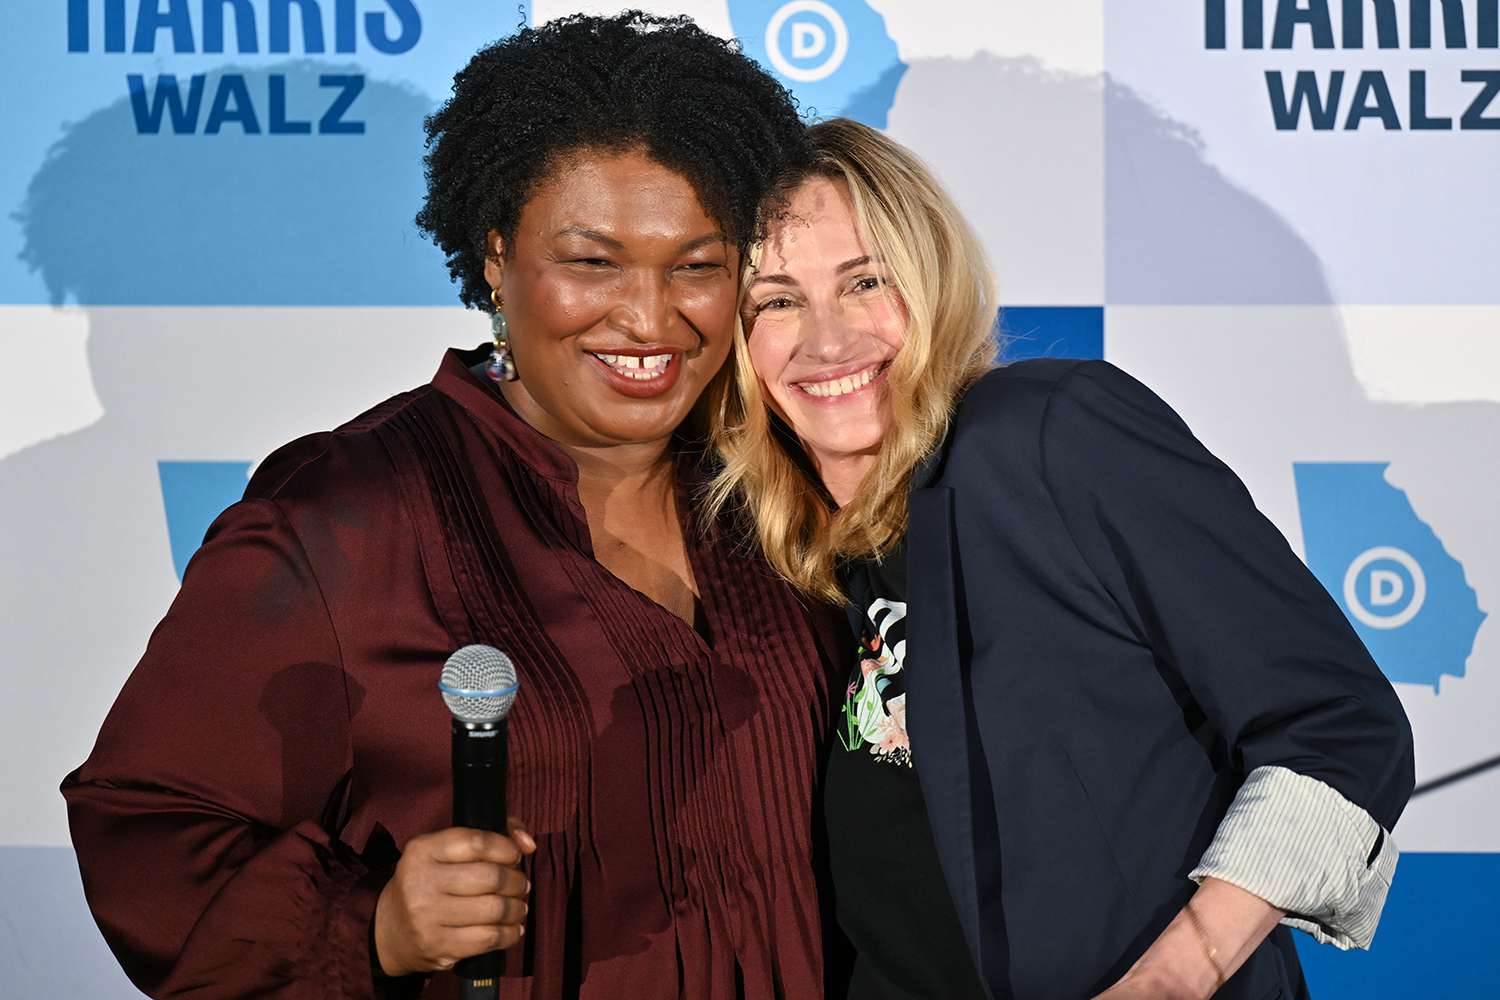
[1302, 847]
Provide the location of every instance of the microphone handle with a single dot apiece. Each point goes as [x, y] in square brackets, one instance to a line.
[479, 765]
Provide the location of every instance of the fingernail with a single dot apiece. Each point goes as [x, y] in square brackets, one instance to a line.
[528, 885]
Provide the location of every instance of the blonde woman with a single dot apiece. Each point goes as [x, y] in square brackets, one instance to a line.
[1142, 740]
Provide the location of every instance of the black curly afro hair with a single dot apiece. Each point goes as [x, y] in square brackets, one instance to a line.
[692, 101]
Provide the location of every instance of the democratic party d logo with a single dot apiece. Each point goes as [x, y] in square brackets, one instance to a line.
[1405, 594]
[1393, 583]
[807, 40]
[835, 55]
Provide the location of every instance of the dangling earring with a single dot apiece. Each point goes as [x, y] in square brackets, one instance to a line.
[501, 368]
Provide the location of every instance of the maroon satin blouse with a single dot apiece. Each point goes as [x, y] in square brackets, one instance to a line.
[283, 736]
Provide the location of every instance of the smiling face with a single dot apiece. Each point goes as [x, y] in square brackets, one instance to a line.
[620, 294]
[823, 323]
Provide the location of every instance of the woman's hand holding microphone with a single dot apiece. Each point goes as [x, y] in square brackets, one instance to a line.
[456, 893]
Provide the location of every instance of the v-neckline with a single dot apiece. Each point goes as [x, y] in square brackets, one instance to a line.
[553, 465]
[702, 627]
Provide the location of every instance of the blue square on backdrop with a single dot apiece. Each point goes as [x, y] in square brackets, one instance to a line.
[1051, 332]
[1436, 937]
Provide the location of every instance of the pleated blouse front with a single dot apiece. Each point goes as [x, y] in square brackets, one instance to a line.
[666, 770]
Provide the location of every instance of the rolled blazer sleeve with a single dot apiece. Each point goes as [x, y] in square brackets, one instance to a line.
[1212, 586]
[199, 818]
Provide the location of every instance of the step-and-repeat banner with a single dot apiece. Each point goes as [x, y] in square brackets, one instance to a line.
[1281, 214]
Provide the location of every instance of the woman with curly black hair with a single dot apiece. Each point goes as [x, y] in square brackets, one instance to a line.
[593, 183]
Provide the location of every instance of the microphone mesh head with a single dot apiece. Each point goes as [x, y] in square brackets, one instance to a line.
[479, 684]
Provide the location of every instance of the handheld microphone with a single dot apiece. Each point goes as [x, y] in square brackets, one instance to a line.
[479, 687]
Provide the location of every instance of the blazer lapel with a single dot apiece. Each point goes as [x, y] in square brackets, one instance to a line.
[936, 705]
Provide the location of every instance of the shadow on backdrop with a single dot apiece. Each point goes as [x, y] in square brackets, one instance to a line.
[113, 218]
[241, 217]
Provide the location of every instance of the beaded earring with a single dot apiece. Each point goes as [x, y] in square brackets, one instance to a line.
[501, 367]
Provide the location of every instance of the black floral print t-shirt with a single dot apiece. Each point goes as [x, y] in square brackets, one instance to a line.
[892, 901]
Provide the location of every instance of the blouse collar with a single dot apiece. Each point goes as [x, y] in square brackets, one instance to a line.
[482, 399]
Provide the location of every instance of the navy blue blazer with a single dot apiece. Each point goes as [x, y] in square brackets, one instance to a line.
[1106, 637]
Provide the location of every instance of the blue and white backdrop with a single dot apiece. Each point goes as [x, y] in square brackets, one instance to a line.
[1281, 214]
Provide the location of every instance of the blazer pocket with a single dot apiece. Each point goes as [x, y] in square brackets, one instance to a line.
[1070, 919]
[1101, 831]
[1051, 837]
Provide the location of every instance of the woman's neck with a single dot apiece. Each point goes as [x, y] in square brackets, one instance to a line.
[602, 468]
[842, 475]
[628, 493]
[602, 471]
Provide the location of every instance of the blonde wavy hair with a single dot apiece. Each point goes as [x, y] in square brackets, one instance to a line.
[939, 269]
